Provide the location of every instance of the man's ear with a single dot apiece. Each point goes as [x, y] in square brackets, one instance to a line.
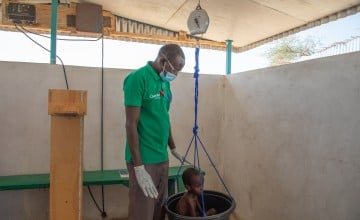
[187, 187]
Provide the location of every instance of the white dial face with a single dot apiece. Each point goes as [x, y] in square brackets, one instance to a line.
[198, 22]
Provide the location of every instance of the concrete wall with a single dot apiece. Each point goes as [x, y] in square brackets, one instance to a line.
[291, 138]
[25, 129]
[285, 139]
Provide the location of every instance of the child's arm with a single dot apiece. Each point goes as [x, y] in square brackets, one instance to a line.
[199, 207]
[192, 206]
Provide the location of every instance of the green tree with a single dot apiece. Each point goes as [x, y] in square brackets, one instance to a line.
[288, 49]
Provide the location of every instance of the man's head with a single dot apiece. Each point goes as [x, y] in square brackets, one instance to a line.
[169, 61]
[192, 180]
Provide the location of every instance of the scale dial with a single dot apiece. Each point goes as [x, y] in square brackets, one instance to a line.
[198, 22]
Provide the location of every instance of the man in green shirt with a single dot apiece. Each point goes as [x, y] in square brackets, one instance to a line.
[147, 99]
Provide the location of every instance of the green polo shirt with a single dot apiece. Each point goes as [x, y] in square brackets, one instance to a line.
[144, 88]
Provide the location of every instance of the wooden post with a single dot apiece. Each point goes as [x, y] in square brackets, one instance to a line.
[3, 11]
[67, 109]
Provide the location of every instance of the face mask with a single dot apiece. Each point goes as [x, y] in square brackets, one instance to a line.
[168, 77]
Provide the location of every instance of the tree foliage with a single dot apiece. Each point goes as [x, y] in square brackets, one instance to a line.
[288, 49]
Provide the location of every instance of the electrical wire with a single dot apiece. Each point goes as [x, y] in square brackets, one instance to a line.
[102, 211]
[93, 198]
[103, 214]
[63, 39]
[62, 63]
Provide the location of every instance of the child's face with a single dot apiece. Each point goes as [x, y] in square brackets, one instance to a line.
[196, 184]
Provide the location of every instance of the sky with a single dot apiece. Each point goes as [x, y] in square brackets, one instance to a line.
[326, 34]
[15, 46]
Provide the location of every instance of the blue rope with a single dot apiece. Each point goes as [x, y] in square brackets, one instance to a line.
[196, 138]
[196, 76]
[217, 172]
[196, 127]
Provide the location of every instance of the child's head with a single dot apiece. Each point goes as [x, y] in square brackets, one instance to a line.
[192, 180]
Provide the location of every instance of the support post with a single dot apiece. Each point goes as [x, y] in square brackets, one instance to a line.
[67, 109]
[54, 6]
[228, 56]
[4, 4]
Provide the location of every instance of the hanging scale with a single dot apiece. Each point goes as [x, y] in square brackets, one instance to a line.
[198, 21]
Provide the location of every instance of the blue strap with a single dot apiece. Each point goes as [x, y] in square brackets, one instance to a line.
[196, 138]
[196, 76]
[195, 128]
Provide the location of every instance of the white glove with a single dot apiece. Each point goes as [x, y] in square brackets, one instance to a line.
[145, 182]
[178, 156]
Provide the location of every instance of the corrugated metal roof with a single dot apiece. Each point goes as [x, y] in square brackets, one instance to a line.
[131, 26]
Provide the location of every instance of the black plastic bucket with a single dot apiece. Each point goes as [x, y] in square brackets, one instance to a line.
[223, 204]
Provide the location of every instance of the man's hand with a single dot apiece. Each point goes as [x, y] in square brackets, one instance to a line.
[178, 156]
[145, 182]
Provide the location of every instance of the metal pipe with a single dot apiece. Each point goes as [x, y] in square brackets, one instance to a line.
[228, 56]
[54, 6]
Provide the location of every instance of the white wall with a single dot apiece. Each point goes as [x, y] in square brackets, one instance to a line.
[285, 139]
[25, 129]
[291, 137]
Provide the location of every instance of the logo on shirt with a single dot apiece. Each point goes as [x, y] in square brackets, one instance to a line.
[154, 96]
